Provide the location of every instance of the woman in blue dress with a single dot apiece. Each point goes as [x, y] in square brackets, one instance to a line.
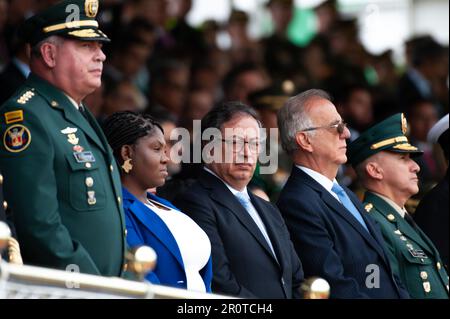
[182, 247]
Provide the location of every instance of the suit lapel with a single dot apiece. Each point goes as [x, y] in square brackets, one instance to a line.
[58, 100]
[337, 207]
[271, 229]
[157, 227]
[222, 196]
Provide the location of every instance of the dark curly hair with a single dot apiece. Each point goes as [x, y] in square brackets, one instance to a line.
[125, 128]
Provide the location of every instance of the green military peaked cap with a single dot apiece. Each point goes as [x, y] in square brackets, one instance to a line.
[388, 135]
[69, 18]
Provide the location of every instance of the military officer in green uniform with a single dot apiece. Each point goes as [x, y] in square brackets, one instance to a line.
[61, 179]
[382, 159]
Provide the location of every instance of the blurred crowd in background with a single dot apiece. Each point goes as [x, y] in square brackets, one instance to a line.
[157, 63]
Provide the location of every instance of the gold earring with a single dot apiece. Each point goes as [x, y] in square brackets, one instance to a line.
[127, 166]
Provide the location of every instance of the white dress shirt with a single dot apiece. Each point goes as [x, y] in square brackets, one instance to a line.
[324, 181]
[253, 212]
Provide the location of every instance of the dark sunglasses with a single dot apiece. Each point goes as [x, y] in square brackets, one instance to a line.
[340, 127]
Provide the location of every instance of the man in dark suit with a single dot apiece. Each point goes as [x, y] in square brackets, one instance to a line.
[252, 253]
[333, 237]
[433, 211]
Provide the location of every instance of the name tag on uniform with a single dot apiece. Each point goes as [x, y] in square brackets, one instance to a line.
[84, 157]
[417, 253]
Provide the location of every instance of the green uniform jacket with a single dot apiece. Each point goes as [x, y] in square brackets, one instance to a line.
[412, 254]
[62, 183]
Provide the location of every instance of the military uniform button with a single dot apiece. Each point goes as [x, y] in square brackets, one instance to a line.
[5, 205]
[427, 287]
[438, 265]
[424, 275]
[391, 217]
[111, 168]
[1, 179]
[88, 165]
[89, 182]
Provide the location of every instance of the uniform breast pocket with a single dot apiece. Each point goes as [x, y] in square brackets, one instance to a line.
[414, 255]
[86, 185]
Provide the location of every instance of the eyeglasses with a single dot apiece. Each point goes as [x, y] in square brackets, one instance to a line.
[340, 127]
[238, 145]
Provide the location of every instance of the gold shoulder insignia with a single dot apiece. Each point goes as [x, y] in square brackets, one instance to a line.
[25, 97]
[368, 207]
[14, 116]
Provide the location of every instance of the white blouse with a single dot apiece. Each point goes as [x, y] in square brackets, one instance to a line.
[194, 244]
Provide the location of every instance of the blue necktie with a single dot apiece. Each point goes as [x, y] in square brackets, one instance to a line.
[245, 201]
[345, 200]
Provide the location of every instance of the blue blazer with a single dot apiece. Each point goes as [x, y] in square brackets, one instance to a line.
[146, 228]
[333, 245]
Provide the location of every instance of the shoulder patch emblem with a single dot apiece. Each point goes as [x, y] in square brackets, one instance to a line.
[14, 117]
[368, 207]
[25, 97]
[17, 138]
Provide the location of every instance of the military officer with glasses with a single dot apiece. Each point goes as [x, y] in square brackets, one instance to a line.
[332, 234]
[383, 159]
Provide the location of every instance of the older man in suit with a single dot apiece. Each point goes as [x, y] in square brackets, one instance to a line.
[251, 249]
[332, 235]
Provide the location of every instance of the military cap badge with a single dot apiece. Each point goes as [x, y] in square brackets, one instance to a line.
[404, 125]
[91, 8]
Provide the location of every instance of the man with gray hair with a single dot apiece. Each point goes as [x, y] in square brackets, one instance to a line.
[333, 237]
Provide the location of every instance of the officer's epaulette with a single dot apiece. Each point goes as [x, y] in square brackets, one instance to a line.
[25, 97]
[368, 207]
